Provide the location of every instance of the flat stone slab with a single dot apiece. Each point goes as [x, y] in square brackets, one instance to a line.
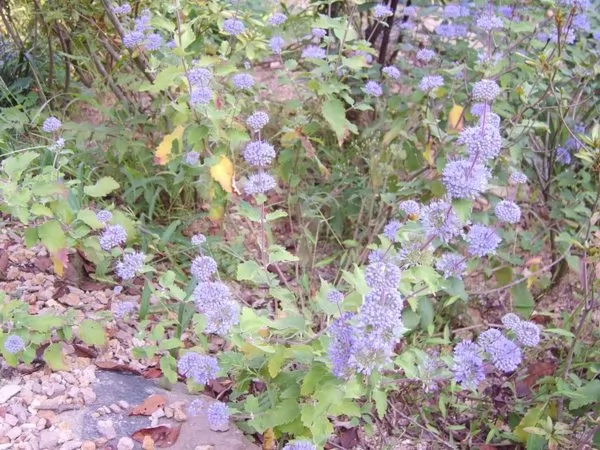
[112, 387]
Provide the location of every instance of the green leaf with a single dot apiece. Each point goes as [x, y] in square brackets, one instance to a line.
[91, 332]
[170, 344]
[88, 217]
[503, 276]
[44, 322]
[463, 209]
[426, 311]
[531, 419]
[380, 398]
[168, 365]
[335, 114]
[14, 166]
[317, 374]
[102, 188]
[522, 299]
[559, 332]
[31, 236]
[251, 404]
[283, 412]
[278, 253]
[278, 214]
[52, 236]
[276, 362]
[251, 271]
[54, 357]
[586, 394]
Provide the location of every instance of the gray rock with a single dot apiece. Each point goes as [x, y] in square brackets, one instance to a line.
[107, 429]
[9, 391]
[49, 439]
[125, 443]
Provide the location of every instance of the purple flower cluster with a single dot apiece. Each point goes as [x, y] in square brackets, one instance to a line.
[465, 178]
[391, 72]
[382, 11]
[300, 445]
[373, 88]
[200, 90]
[439, 220]
[425, 55]
[259, 154]
[233, 26]
[192, 158]
[277, 19]
[217, 416]
[198, 239]
[451, 265]
[131, 265]
[314, 52]
[391, 229]
[430, 82]
[482, 240]
[485, 91]
[334, 296]
[410, 207]
[13, 344]
[213, 299]
[200, 368]
[527, 333]
[365, 341]
[508, 212]
[104, 216]
[51, 124]
[203, 268]
[141, 34]
[112, 236]
[468, 365]
[120, 310]
[276, 44]
[243, 81]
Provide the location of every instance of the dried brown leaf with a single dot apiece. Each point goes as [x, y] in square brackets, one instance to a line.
[161, 436]
[348, 437]
[535, 370]
[148, 406]
[114, 366]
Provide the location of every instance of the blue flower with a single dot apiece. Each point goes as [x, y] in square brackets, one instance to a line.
[257, 121]
[13, 344]
[382, 11]
[104, 216]
[300, 445]
[277, 19]
[489, 22]
[334, 296]
[373, 88]
[527, 333]
[122, 9]
[122, 309]
[465, 179]
[200, 95]
[390, 231]
[486, 91]
[51, 124]
[259, 154]
[430, 82]
[112, 236]
[192, 158]
[131, 264]
[315, 52]
[203, 268]
[468, 365]
[504, 354]
[198, 239]
[410, 207]
[259, 183]
[508, 212]
[201, 368]
[243, 81]
[425, 55]
[276, 44]
[451, 265]
[439, 220]
[517, 177]
[153, 42]
[319, 33]
[217, 415]
[233, 26]
[482, 240]
[391, 71]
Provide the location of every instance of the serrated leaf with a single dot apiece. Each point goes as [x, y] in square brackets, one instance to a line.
[162, 155]
[44, 322]
[53, 356]
[276, 362]
[335, 114]
[251, 271]
[586, 394]
[88, 217]
[91, 332]
[52, 235]
[278, 253]
[529, 420]
[316, 374]
[14, 166]
[102, 187]
[380, 398]
[168, 365]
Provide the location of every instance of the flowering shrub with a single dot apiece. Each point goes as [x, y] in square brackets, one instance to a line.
[422, 169]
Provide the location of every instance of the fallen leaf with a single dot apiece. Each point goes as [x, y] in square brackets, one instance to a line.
[535, 370]
[117, 367]
[455, 119]
[161, 436]
[84, 351]
[163, 151]
[148, 406]
[348, 437]
[428, 153]
[222, 173]
[42, 263]
[60, 260]
[152, 372]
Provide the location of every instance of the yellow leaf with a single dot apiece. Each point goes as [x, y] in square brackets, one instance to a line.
[268, 439]
[455, 119]
[222, 173]
[163, 151]
[428, 153]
